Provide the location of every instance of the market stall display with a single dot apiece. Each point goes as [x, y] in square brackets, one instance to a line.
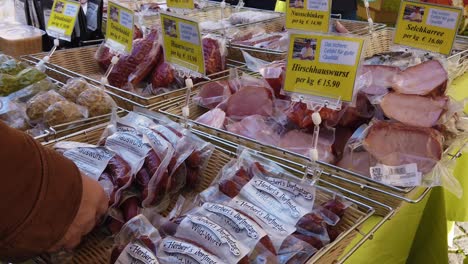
[96, 248]
[36, 102]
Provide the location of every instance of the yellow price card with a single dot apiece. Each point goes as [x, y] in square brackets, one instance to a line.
[187, 4]
[62, 19]
[182, 43]
[427, 26]
[119, 30]
[310, 15]
[323, 66]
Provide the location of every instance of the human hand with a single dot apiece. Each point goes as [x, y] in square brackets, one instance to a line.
[94, 202]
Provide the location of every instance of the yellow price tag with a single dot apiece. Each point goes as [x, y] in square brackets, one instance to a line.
[62, 19]
[310, 15]
[187, 4]
[427, 26]
[119, 30]
[182, 43]
[323, 65]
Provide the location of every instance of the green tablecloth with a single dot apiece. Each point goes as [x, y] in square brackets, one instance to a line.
[418, 232]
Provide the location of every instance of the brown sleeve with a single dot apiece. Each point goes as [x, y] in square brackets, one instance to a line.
[40, 194]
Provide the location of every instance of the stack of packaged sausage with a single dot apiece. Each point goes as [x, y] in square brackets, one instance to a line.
[140, 162]
[254, 212]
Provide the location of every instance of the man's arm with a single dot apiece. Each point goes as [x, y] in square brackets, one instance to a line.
[41, 193]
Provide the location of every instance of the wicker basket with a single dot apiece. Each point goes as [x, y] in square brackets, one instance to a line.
[80, 62]
[359, 28]
[96, 247]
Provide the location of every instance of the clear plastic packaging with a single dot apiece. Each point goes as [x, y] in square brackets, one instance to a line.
[64, 112]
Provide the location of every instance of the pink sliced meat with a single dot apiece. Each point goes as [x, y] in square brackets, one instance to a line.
[340, 28]
[213, 118]
[212, 93]
[381, 76]
[397, 144]
[249, 101]
[358, 162]
[301, 143]
[255, 127]
[426, 78]
[414, 110]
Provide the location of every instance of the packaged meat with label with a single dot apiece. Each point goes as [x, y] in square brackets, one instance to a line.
[173, 250]
[212, 94]
[163, 76]
[274, 74]
[137, 242]
[101, 164]
[131, 69]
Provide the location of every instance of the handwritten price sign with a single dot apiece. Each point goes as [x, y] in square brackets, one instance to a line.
[427, 26]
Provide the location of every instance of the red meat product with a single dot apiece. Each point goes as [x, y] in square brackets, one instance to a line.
[213, 118]
[301, 143]
[414, 110]
[248, 101]
[119, 171]
[342, 135]
[130, 208]
[134, 67]
[396, 144]
[137, 34]
[214, 62]
[163, 76]
[329, 116]
[358, 115]
[426, 78]
[299, 114]
[212, 94]
[255, 127]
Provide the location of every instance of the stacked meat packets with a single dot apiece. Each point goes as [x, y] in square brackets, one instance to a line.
[146, 64]
[254, 212]
[141, 162]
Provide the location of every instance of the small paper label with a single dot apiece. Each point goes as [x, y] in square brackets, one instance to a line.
[62, 19]
[323, 66]
[311, 15]
[403, 176]
[182, 43]
[181, 249]
[91, 161]
[291, 187]
[119, 31]
[427, 26]
[138, 254]
[242, 222]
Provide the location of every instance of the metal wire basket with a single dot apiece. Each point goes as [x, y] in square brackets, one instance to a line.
[96, 247]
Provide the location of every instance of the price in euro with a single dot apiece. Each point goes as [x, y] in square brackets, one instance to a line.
[433, 41]
[328, 83]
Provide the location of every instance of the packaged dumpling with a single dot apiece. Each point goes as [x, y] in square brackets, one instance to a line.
[97, 101]
[64, 112]
[38, 104]
[73, 88]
